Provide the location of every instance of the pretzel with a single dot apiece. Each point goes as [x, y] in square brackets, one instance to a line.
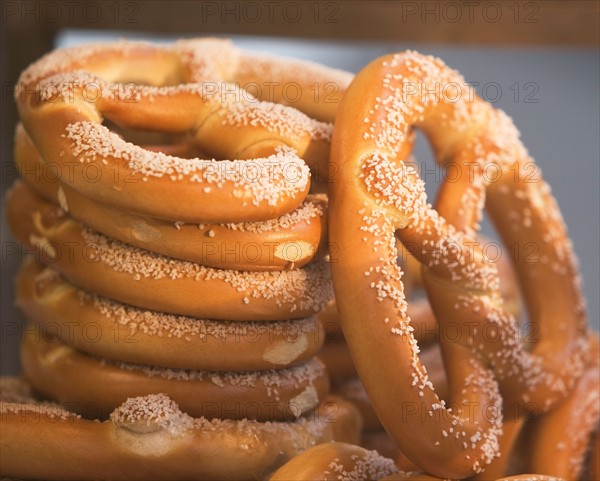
[120, 332]
[511, 447]
[186, 88]
[559, 439]
[554, 443]
[335, 461]
[426, 477]
[290, 241]
[134, 276]
[375, 195]
[151, 438]
[97, 386]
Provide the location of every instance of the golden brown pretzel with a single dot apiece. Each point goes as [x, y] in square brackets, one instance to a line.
[150, 438]
[427, 477]
[333, 462]
[336, 461]
[182, 88]
[559, 439]
[94, 387]
[290, 241]
[120, 332]
[375, 195]
[510, 447]
[128, 274]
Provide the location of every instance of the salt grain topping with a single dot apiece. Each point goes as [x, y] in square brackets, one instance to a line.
[235, 106]
[15, 390]
[49, 410]
[162, 324]
[269, 180]
[160, 411]
[371, 465]
[308, 288]
[276, 118]
[207, 58]
[16, 397]
[154, 410]
[314, 206]
[271, 379]
[73, 58]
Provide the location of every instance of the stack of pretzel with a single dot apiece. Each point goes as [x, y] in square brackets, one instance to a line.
[198, 362]
[170, 296]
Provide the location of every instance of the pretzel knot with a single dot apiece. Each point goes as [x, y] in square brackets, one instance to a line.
[193, 89]
[377, 196]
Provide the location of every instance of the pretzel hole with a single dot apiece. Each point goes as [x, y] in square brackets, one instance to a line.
[434, 174]
[157, 141]
[424, 162]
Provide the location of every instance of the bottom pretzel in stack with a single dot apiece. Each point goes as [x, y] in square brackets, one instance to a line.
[149, 437]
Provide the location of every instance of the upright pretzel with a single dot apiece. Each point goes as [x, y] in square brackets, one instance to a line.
[188, 88]
[376, 195]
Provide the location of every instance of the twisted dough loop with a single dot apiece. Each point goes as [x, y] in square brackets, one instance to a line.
[376, 195]
[64, 97]
[95, 387]
[116, 331]
[151, 438]
[288, 242]
[559, 440]
[426, 477]
[141, 278]
[335, 461]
